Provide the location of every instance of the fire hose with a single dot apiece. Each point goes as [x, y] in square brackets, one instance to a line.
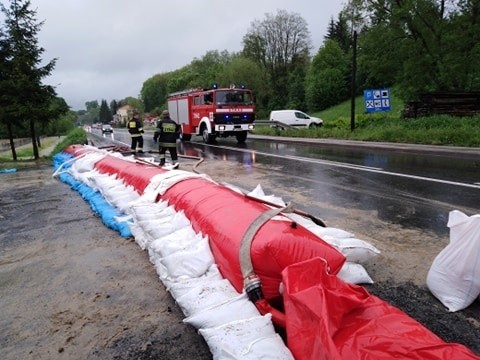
[252, 283]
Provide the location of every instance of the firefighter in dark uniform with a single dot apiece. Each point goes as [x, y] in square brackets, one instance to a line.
[167, 133]
[135, 128]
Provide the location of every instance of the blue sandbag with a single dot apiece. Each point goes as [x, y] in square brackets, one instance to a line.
[97, 202]
[5, 171]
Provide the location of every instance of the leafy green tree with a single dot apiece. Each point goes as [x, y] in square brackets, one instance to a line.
[326, 83]
[90, 105]
[208, 69]
[56, 111]
[27, 97]
[92, 114]
[296, 81]
[420, 46]
[154, 92]
[274, 43]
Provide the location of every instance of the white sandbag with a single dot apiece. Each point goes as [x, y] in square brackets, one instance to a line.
[141, 238]
[260, 194]
[354, 273]
[103, 182]
[86, 163]
[182, 285]
[154, 214]
[331, 231]
[206, 296]
[192, 263]
[454, 277]
[151, 224]
[237, 308]
[249, 339]
[179, 240]
[356, 250]
[166, 225]
[141, 208]
[123, 200]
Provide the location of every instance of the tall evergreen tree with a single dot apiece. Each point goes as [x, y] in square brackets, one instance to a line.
[105, 115]
[27, 98]
[6, 87]
[113, 107]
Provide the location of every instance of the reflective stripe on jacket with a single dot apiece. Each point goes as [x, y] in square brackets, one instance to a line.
[135, 127]
[167, 132]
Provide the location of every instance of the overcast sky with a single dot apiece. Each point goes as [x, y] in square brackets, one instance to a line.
[106, 49]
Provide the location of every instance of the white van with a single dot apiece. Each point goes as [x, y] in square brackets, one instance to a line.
[294, 118]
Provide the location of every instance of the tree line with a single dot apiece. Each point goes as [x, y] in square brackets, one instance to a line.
[410, 46]
[27, 106]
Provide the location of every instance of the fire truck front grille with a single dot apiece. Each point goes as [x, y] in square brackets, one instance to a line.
[233, 118]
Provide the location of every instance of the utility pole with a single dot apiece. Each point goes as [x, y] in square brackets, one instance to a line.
[353, 83]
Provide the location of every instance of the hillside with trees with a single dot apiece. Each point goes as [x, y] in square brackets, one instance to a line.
[409, 46]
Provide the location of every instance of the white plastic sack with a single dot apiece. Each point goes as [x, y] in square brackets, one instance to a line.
[141, 238]
[166, 225]
[180, 239]
[454, 277]
[143, 209]
[260, 194]
[237, 308]
[86, 163]
[249, 339]
[356, 250]
[182, 285]
[193, 262]
[354, 273]
[206, 296]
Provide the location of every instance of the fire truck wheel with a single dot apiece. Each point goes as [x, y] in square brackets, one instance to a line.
[207, 137]
[241, 137]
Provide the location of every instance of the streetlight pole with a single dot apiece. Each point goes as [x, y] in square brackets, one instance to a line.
[353, 83]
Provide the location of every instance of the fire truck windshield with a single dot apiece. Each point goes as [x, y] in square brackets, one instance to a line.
[233, 97]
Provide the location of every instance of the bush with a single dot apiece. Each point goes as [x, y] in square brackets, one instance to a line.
[76, 136]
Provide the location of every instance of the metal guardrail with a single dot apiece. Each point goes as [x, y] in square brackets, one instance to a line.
[274, 123]
[5, 143]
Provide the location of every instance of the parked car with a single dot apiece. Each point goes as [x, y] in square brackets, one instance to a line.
[294, 118]
[107, 129]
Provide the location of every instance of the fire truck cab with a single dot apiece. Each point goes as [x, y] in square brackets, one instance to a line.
[212, 113]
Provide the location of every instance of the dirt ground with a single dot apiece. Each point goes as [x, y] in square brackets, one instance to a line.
[72, 288]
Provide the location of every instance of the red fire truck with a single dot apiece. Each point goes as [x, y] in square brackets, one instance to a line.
[212, 113]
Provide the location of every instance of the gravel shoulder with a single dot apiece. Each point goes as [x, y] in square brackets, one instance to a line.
[73, 288]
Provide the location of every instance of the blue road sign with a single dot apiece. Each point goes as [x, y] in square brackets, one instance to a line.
[377, 100]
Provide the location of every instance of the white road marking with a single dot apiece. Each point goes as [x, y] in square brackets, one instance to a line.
[355, 167]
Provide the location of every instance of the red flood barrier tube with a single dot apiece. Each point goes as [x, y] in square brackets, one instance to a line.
[224, 215]
[327, 318]
[323, 316]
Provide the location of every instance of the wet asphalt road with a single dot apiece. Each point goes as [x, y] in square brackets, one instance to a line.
[412, 186]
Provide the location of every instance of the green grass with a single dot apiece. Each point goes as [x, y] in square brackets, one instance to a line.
[76, 136]
[387, 126]
[25, 153]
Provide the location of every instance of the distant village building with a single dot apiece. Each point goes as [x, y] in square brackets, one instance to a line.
[123, 114]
